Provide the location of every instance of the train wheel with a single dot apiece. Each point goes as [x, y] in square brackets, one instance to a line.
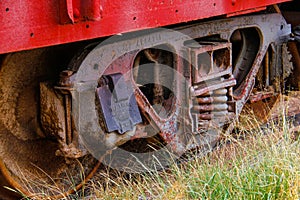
[27, 156]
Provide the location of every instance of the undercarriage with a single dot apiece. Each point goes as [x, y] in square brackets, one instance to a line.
[133, 99]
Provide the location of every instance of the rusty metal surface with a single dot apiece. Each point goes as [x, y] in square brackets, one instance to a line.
[56, 120]
[272, 108]
[206, 91]
[293, 49]
[212, 83]
[105, 59]
[26, 149]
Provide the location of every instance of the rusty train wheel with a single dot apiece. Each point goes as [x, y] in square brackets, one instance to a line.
[27, 156]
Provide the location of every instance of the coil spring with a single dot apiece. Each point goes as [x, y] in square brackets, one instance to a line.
[210, 107]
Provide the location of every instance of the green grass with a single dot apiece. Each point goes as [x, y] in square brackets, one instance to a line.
[265, 165]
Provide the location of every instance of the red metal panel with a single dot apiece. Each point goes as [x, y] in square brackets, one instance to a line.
[72, 11]
[30, 24]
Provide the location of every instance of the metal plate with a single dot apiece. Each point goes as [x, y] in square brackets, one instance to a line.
[119, 107]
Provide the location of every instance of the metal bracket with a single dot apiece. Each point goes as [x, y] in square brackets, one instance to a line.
[72, 11]
[118, 104]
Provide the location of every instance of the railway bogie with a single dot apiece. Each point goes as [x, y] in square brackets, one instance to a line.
[131, 99]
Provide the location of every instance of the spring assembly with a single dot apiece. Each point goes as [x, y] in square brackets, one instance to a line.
[211, 107]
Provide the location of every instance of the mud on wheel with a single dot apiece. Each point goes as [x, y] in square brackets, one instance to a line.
[28, 159]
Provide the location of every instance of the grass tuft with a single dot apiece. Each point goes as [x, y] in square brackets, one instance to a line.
[264, 164]
[260, 162]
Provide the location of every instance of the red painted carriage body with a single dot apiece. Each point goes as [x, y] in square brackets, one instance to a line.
[29, 24]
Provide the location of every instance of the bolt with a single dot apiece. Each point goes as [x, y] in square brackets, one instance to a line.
[65, 78]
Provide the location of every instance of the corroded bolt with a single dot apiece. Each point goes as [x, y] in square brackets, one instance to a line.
[65, 78]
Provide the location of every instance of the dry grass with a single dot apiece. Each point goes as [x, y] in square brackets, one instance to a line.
[261, 163]
[264, 164]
